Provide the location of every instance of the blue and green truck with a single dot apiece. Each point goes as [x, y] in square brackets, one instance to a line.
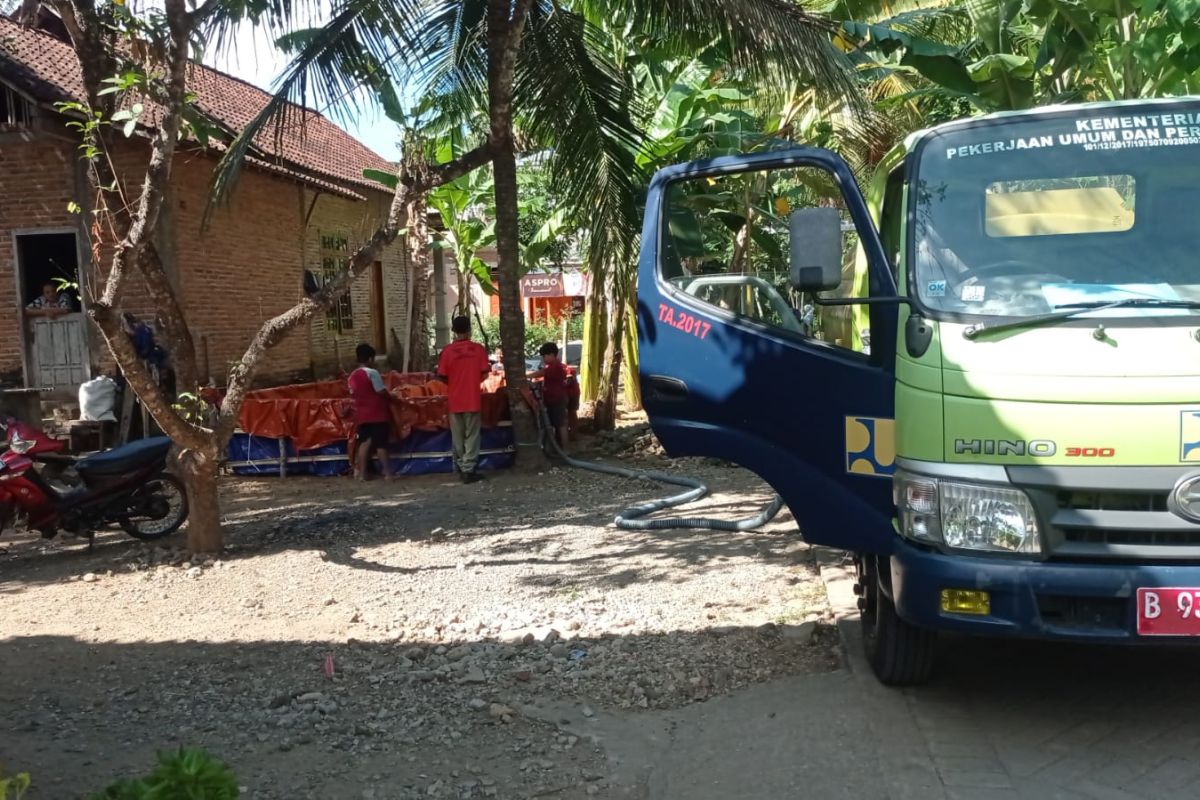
[981, 375]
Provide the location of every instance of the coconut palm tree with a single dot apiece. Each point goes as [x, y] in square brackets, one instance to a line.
[545, 66]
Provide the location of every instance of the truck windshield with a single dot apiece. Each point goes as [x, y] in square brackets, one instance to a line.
[1016, 217]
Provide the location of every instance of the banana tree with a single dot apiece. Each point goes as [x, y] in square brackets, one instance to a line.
[464, 209]
[1119, 49]
[1021, 54]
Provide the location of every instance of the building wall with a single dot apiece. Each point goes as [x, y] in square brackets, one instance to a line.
[332, 347]
[247, 266]
[36, 184]
[243, 269]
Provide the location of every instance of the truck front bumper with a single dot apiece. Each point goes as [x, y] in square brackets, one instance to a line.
[1030, 599]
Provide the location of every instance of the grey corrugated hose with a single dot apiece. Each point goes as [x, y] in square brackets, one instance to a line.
[630, 518]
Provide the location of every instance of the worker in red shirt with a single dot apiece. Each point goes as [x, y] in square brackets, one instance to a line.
[463, 365]
[372, 415]
[554, 390]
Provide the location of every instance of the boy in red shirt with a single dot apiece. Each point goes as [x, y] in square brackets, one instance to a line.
[554, 390]
[463, 365]
[372, 418]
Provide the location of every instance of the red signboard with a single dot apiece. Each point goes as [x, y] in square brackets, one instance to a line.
[542, 285]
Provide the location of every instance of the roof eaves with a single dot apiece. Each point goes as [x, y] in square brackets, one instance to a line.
[304, 177]
[30, 83]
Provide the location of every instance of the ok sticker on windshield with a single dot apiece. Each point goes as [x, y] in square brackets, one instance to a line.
[974, 293]
[936, 289]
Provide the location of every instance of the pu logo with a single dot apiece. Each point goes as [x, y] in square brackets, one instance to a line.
[870, 446]
[1189, 436]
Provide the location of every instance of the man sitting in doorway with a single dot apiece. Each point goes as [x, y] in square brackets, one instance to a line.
[50, 303]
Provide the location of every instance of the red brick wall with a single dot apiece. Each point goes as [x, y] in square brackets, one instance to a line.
[247, 266]
[36, 184]
[243, 269]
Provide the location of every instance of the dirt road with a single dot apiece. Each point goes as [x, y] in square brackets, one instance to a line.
[414, 639]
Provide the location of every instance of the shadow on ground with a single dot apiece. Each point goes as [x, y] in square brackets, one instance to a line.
[346, 521]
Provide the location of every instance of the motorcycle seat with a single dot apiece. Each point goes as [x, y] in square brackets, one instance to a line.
[126, 458]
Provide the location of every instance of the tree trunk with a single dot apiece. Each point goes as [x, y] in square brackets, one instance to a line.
[417, 240]
[199, 473]
[606, 403]
[463, 306]
[441, 318]
[595, 337]
[504, 37]
[629, 350]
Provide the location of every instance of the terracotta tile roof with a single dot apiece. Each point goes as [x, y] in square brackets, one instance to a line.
[45, 68]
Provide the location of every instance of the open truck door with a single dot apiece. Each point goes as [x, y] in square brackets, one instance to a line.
[742, 354]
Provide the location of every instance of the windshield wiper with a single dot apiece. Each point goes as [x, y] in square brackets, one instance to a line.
[1074, 309]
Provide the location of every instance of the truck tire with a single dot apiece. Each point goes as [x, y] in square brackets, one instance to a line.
[900, 654]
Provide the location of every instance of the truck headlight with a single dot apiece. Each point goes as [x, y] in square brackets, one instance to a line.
[966, 516]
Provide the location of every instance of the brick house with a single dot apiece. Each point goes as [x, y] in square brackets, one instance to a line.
[301, 204]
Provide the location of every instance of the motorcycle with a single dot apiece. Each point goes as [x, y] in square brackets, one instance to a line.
[127, 486]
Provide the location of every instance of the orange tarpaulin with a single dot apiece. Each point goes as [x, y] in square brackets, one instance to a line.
[317, 414]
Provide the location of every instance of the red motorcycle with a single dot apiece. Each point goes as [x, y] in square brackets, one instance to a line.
[126, 486]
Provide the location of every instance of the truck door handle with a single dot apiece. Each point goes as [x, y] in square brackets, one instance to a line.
[665, 388]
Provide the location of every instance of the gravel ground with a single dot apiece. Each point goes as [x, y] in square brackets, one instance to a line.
[393, 640]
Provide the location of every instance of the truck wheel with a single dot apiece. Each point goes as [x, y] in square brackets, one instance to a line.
[900, 654]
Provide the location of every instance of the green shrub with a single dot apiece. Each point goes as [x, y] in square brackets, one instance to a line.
[12, 787]
[181, 775]
[536, 333]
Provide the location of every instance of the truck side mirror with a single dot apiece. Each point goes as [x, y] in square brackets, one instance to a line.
[815, 249]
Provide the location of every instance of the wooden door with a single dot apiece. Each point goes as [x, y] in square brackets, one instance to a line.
[378, 314]
[57, 354]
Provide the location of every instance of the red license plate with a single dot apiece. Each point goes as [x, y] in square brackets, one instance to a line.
[1168, 612]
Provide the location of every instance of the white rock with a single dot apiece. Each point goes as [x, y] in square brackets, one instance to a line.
[802, 633]
[501, 712]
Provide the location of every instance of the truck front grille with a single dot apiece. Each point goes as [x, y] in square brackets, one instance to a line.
[1109, 513]
[1123, 537]
[1113, 501]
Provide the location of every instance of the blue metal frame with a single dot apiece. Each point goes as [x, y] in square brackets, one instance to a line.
[771, 401]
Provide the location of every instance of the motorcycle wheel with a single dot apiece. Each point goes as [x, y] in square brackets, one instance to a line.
[163, 507]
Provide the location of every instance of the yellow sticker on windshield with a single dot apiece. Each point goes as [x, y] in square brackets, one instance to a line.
[870, 446]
